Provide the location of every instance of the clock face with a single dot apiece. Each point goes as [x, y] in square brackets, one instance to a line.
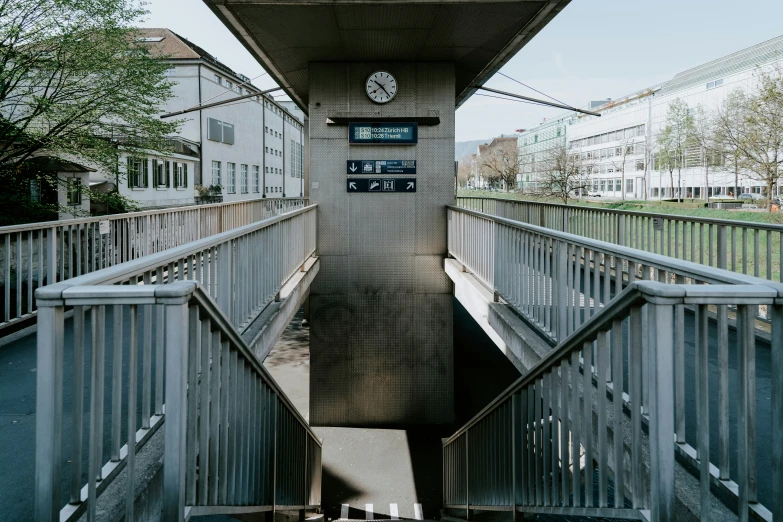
[381, 87]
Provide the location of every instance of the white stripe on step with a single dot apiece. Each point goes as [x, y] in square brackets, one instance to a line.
[417, 514]
[393, 512]
[368, 512]
[344, 511]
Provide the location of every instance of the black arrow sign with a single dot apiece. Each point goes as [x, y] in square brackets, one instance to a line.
[382, 185]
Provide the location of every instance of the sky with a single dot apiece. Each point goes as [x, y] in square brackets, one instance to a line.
[592, 50]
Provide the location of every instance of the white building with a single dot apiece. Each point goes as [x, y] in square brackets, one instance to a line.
[251, 148]
[623, 140]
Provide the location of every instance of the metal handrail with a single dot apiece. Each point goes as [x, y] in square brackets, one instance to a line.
[739, 246]
[36, 254]
[27, 227]
[273, 460]
[679, 217]
[201, 260]
[557, 279]
[521, 438]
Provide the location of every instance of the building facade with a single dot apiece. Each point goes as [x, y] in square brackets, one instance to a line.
[619, 150]
[248, 149]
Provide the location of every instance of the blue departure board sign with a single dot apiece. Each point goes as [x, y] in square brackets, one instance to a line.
[386, 133]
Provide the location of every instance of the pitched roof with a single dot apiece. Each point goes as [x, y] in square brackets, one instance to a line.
[764, 52]
[165, 43]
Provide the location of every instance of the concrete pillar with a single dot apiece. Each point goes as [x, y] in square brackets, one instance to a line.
[381, 307]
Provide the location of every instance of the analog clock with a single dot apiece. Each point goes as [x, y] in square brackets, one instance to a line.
[381, 87]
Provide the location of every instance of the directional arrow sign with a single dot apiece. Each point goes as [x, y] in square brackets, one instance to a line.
[381, 166]
[382, 185]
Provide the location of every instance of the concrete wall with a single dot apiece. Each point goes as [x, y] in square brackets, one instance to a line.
[381, 306]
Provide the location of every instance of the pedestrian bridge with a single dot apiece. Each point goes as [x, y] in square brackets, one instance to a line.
[651, 387]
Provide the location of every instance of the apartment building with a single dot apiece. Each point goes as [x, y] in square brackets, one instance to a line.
[622, 142]
[248, 149]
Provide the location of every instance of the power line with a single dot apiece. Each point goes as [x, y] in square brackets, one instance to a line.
[535, 100]
[534, 89]
[509, 99]
[238, 85]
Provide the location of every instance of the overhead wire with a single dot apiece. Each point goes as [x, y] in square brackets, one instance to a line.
[238, 85]
[534, 89]
[511, 99]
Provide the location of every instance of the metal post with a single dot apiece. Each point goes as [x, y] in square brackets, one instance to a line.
[722, 247]
[777, 411]
[621, 229]
[48, 409]
[176, 312]
[467, 474]
[661, 360]
[562, 290]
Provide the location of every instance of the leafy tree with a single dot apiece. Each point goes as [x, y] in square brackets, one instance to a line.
[674, 139]
[751, 123]
[75, 84]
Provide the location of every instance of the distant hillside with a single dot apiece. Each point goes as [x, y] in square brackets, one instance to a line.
[461, 148]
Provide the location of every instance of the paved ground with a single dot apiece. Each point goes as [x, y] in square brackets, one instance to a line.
[391, 471]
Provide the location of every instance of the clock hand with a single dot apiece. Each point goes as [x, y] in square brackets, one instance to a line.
[382, 87]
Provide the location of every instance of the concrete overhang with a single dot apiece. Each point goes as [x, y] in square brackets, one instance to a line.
[478, 36]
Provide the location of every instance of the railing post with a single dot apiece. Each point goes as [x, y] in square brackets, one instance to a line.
[467, 475]
[621, 229]
[51, 256]
[48, 408]
[174, 297]
[722, 247]
[660, 361]
[562, 290]
[776, 312]
[224, 277]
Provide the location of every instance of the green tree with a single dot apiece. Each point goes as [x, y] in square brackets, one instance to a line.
[75, 84]
[750, 124]
[674, 139]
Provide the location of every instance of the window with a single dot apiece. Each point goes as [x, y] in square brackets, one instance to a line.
[216, 178]
[716, 83]
[229, 85]
[639, 165]
[266, 129]
[231, 175]
[603, 185]
[266, 149]
[266, 170]
[628, 186]
[256, 178]
[161, 172]
[137, 173]
[74, 194]
[180, 175]
[218, 80]
[220, 131]
[618, 185]
[243, 178]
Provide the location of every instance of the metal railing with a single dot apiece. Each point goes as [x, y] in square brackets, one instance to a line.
[38, 254]
[233, 441]
[557, 280]
[739, 246]
[577, 435]
[242, 269]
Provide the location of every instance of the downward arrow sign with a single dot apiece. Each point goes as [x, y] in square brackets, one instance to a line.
[410, 185]
[353, 167]
[352, 185]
